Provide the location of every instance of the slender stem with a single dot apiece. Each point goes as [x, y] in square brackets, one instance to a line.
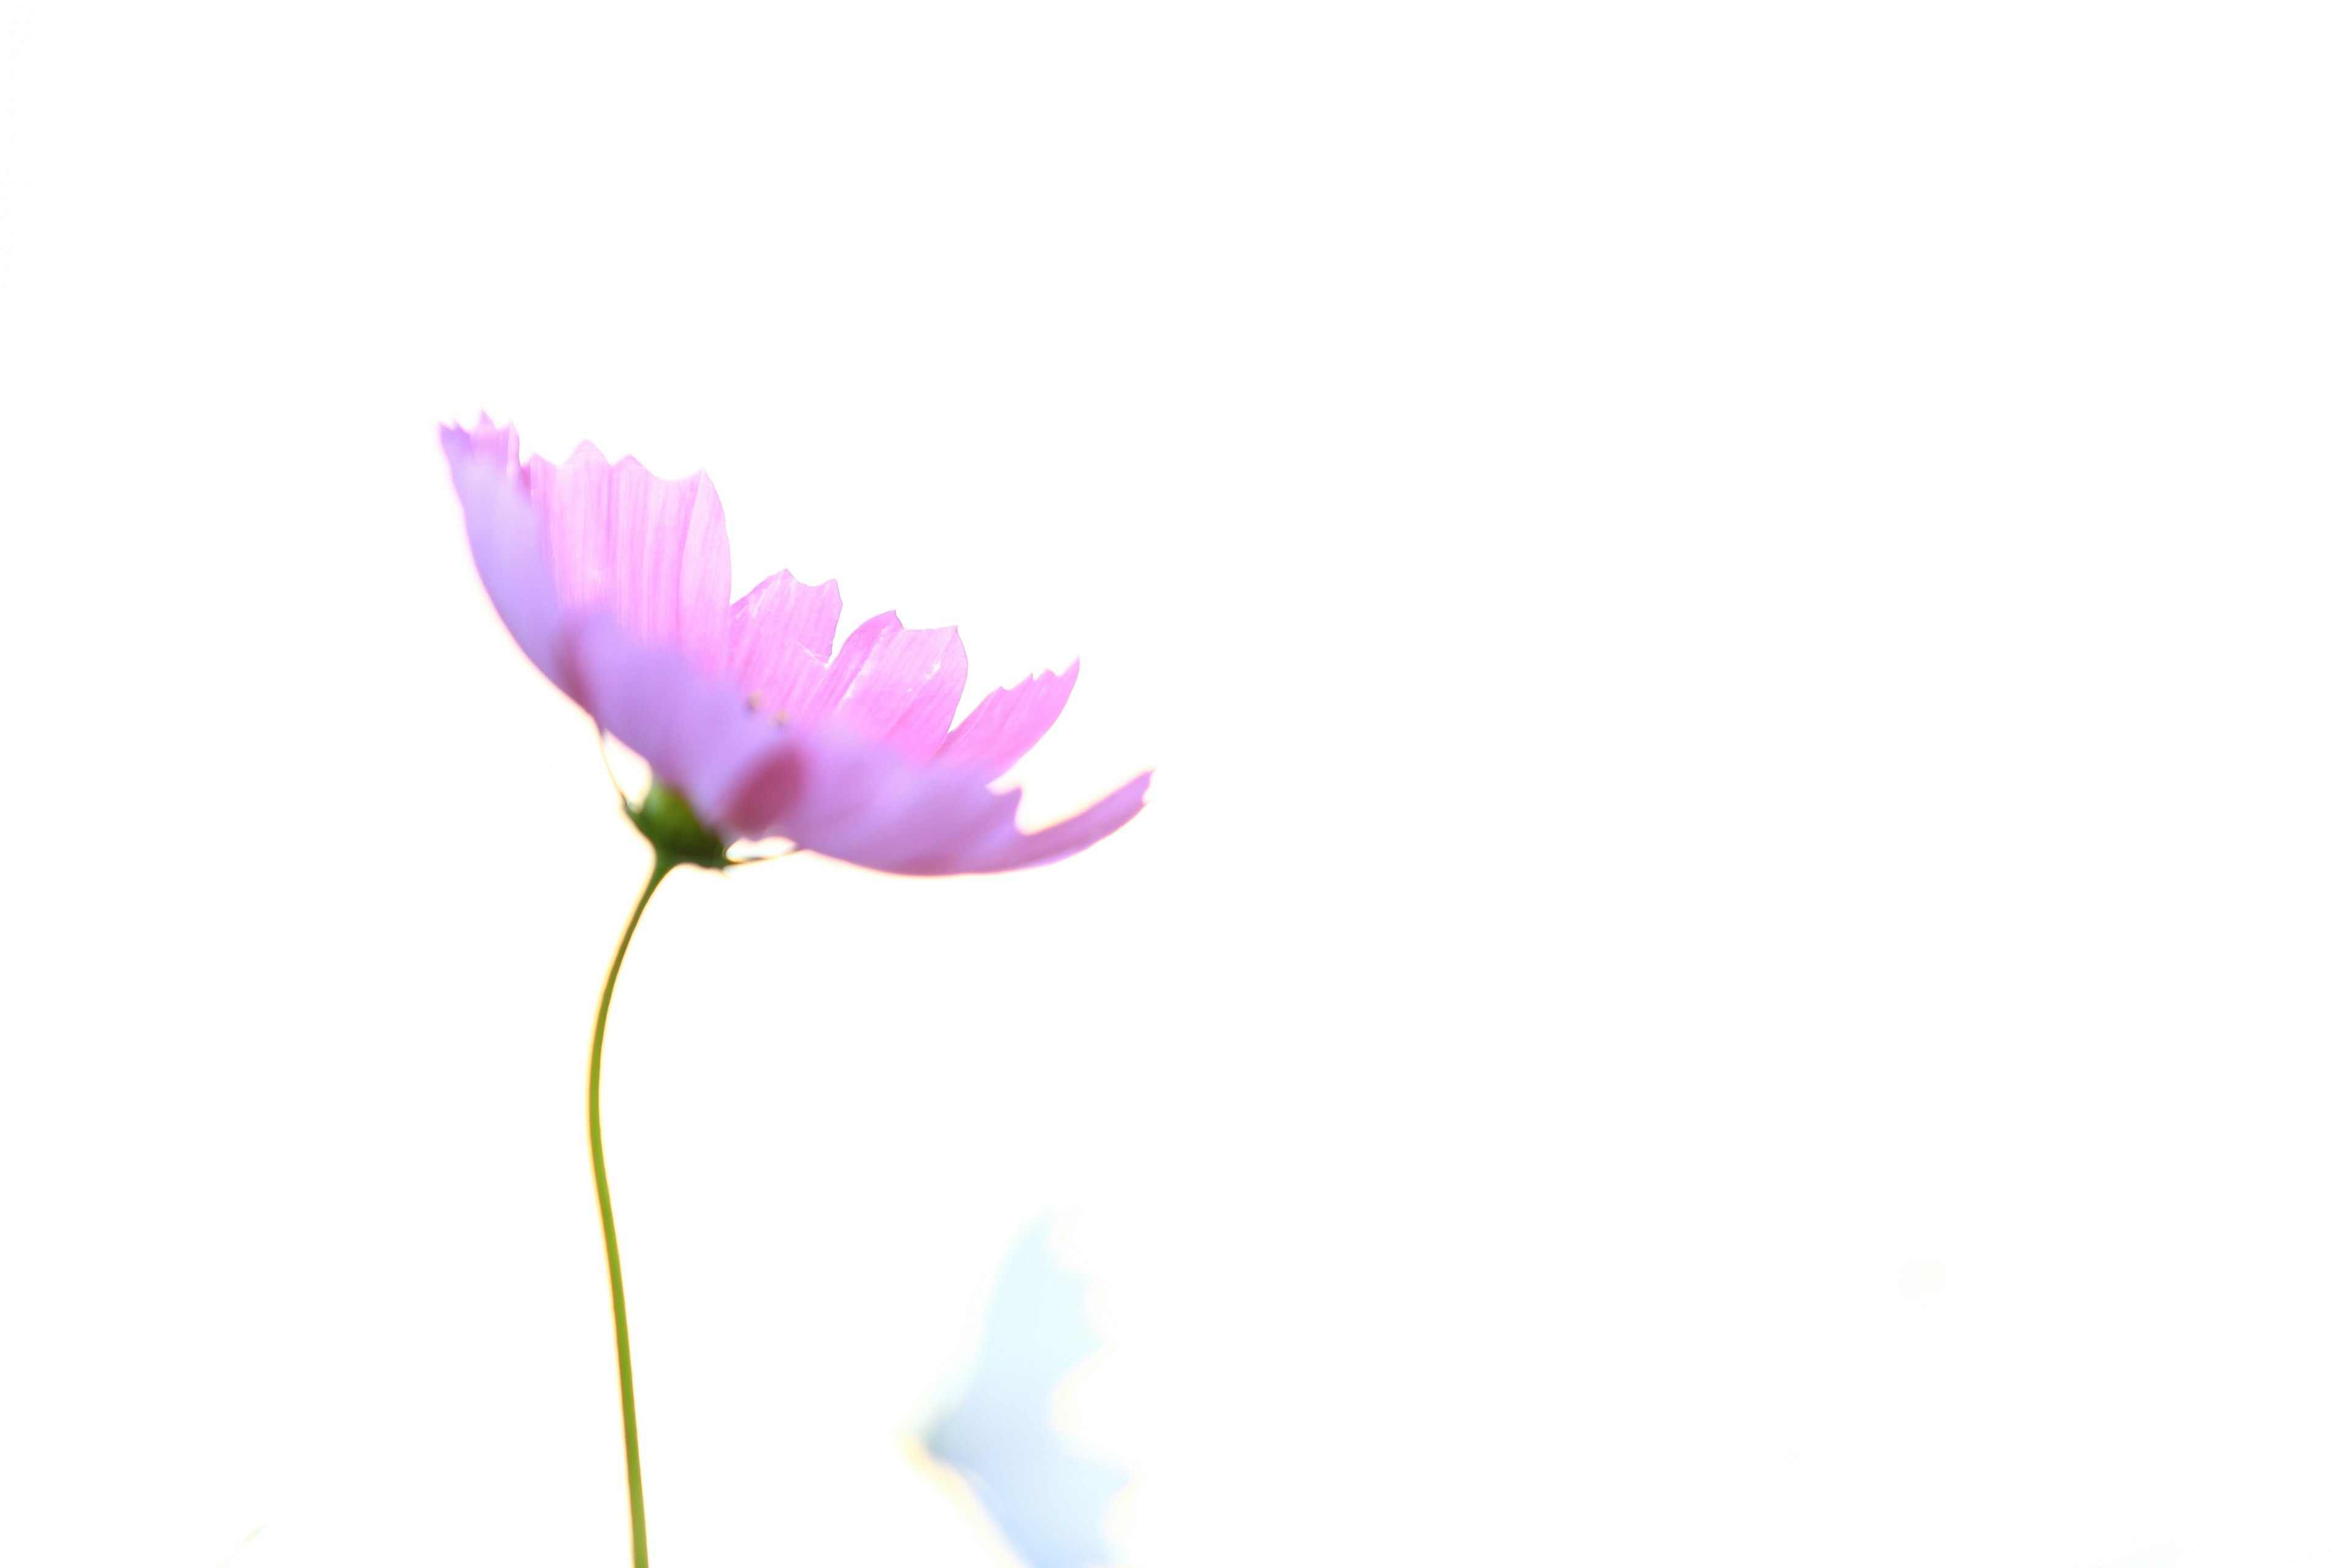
[662, 865]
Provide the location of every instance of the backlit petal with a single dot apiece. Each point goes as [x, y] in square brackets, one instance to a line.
[693, 730]
[1048, 1494]
[835, 791]
[650, 553]
[1072, 834]
[505, 531]
[894, 686]
[905, 695]
[779, 637]
[1008, 722]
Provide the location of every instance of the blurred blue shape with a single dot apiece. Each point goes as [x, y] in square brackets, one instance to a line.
[1049, 1499]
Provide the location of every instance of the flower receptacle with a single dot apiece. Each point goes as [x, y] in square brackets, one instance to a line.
[678, 834]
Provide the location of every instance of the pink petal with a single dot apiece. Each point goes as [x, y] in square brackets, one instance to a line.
[1072, 834]
[855, 649]
[895, 686]
[905, 694]
[509, 542]
[861, 802]
[650, 553]
[1008, 722]
[779, 637]
[694, 729]
[839, 793]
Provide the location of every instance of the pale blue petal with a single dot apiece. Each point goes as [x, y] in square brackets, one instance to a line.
[1047, 1497]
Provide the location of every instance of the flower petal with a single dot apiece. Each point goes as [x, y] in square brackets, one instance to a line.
[1008, 722]
[1047, 1493]
[509, 542]
[834, 790]
[693, 730]
[895, 686]
[1072, 834]
[650, 553]
[779, 637]
[905, 696]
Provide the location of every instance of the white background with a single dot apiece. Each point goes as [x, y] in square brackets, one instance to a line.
[1739, 956]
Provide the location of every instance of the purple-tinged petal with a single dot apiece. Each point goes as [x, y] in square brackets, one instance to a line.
[694, 729]
[1072, 834]
[841, 794]
[779, 637]
[1008, 722]
[650, 553]
[509, 542]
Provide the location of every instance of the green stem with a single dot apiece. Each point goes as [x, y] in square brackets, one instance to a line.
[662, 865]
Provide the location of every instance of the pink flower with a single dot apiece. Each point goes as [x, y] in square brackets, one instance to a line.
[615, 584]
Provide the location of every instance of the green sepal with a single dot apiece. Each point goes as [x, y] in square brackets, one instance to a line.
[669, 824]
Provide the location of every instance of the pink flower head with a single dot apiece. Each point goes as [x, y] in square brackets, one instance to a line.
[615, 584]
